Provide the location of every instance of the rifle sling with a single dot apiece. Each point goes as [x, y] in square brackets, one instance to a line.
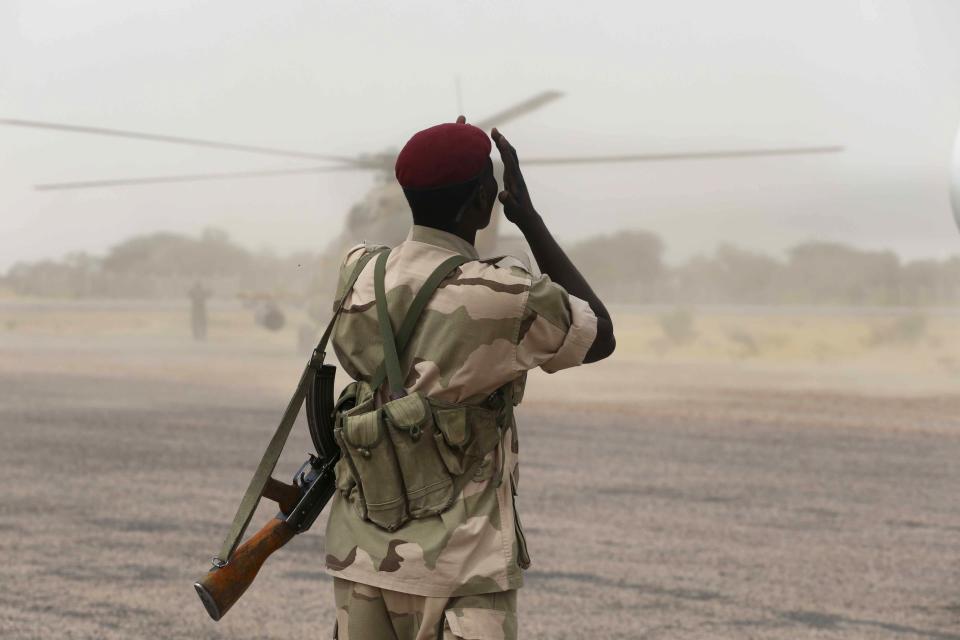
[416, 309]
[391, 360]
[251, 498]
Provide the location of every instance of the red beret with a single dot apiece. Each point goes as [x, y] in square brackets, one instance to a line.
[443, 155]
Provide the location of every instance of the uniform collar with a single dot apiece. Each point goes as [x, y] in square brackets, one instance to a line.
[443, 239]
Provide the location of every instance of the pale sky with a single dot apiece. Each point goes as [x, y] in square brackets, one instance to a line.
[881, 77]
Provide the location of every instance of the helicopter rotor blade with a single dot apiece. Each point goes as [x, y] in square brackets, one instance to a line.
[684, 155]
[374, 163]
[199, 177]
[195, 142]
[519, 109]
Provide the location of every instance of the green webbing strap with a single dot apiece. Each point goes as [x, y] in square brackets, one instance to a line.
[390, 358]
[413, 314]
[251, 498]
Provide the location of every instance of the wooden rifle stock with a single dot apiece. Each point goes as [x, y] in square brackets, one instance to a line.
[223, 586]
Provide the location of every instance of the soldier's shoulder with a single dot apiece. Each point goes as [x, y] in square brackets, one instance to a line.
[349, 260]
[355, 252]
[508, 265]
[506, 276]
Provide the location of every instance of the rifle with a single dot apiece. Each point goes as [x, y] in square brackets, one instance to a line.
[300, 502]
[235, 568]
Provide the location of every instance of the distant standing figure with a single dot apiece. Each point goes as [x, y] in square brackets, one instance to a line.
[198, 310]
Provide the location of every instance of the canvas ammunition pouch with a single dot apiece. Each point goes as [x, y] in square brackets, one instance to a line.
[411, 457]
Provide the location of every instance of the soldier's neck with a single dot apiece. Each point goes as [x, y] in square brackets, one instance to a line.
[470, 235]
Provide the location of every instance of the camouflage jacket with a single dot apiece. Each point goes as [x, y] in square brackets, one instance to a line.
[488, 324]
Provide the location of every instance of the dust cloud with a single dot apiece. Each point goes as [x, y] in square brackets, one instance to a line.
[770, 452]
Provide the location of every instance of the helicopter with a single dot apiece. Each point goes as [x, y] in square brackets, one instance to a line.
[382, 214]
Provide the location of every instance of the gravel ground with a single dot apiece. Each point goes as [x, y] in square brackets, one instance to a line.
[707, 513]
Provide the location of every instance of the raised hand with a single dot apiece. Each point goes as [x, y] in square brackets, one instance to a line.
[517, 206]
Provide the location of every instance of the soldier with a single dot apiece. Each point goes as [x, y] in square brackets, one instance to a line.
[198, 310]
[413, 554]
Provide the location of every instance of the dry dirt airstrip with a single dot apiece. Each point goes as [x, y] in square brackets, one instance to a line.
[776, 475]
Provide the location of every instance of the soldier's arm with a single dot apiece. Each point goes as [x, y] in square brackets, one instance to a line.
[553, 261]
[550, 257]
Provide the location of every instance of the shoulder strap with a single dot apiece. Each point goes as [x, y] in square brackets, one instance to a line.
[416, 309]
[391, 360]
[251, 498]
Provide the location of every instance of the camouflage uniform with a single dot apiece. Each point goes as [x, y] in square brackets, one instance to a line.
[370, 612]
[488, 324]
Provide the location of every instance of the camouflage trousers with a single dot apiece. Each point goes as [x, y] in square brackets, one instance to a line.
[371, 613]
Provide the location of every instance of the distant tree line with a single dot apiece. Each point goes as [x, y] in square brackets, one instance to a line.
[164, 265]
[627, 267]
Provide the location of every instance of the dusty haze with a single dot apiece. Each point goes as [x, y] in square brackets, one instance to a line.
[878, 76]
[771, 452]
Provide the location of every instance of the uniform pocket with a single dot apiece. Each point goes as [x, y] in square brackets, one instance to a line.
[479, 624]
[375, 469]
[465, 434]
[427, 484]
[452, 437]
